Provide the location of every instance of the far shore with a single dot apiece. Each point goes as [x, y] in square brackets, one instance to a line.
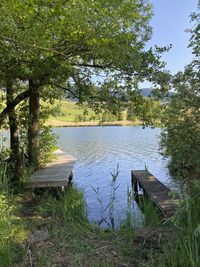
[59, 123]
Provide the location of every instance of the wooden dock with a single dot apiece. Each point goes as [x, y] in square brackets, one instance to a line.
[156, 191]
[57, 173]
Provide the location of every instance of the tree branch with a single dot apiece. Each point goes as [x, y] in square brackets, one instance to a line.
[65, 89]
[3, 37]
[97, 66]
[13, 104]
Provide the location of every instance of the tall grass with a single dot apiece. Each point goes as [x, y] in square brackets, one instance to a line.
[185, 251]
[66, 208]
[152, 215]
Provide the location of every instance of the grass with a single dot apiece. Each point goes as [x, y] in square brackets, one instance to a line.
[72, 240]
[71, 114]
[185, 250]
[152, 215]
[69, 111]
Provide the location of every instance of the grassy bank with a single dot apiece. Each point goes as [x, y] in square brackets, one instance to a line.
[57, 233]
[54, 122]
[50, 228]
[70, 114]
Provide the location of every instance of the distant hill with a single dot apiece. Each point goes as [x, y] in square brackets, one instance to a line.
[147, 92]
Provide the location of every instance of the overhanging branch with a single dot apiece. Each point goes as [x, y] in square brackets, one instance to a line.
[65, 89]
[13, 104]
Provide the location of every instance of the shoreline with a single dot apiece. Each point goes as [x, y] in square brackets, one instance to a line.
[58, 123]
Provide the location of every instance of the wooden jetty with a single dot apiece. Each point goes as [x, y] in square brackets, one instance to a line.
[155, 190]
[57, 173]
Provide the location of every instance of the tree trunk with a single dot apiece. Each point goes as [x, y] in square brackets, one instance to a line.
[14, 136]
[34, 124]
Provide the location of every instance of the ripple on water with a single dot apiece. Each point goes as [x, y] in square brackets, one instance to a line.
[98, 151]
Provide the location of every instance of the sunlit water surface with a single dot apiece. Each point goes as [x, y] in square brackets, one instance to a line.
[98, 151]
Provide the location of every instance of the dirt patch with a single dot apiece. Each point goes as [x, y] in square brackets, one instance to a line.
[28, 206]
[148, 240]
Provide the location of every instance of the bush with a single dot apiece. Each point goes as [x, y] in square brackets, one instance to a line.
[47, 145]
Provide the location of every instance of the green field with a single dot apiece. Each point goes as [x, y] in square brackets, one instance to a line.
[71, 111]
[70, 114]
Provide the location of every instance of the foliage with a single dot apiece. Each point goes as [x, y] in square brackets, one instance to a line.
[4, 179]
[181, 135]
[4, 150]
[92, 43]
[146, 109]
[47, 145]
[47, 138]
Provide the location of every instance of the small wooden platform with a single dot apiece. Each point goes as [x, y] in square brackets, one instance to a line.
[56, 173]
[157, 191]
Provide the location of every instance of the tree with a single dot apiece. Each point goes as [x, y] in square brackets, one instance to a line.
[65, 44]
[146, 109]
[181, 136]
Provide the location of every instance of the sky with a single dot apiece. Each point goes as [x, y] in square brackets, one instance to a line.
[170, 20]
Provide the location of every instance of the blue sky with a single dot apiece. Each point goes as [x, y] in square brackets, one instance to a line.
[171, 18]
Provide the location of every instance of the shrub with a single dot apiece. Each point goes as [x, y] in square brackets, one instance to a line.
[180, 139]
[47, 145]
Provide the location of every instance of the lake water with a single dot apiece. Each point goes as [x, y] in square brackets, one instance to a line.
[99, 150]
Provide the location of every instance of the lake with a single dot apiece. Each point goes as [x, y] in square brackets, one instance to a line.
[99, 150]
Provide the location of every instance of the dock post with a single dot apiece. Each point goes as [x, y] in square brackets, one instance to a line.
[70, 179]
[134, 184]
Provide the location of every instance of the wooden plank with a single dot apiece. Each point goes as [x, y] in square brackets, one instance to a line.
[156, 190]
[56, 173]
